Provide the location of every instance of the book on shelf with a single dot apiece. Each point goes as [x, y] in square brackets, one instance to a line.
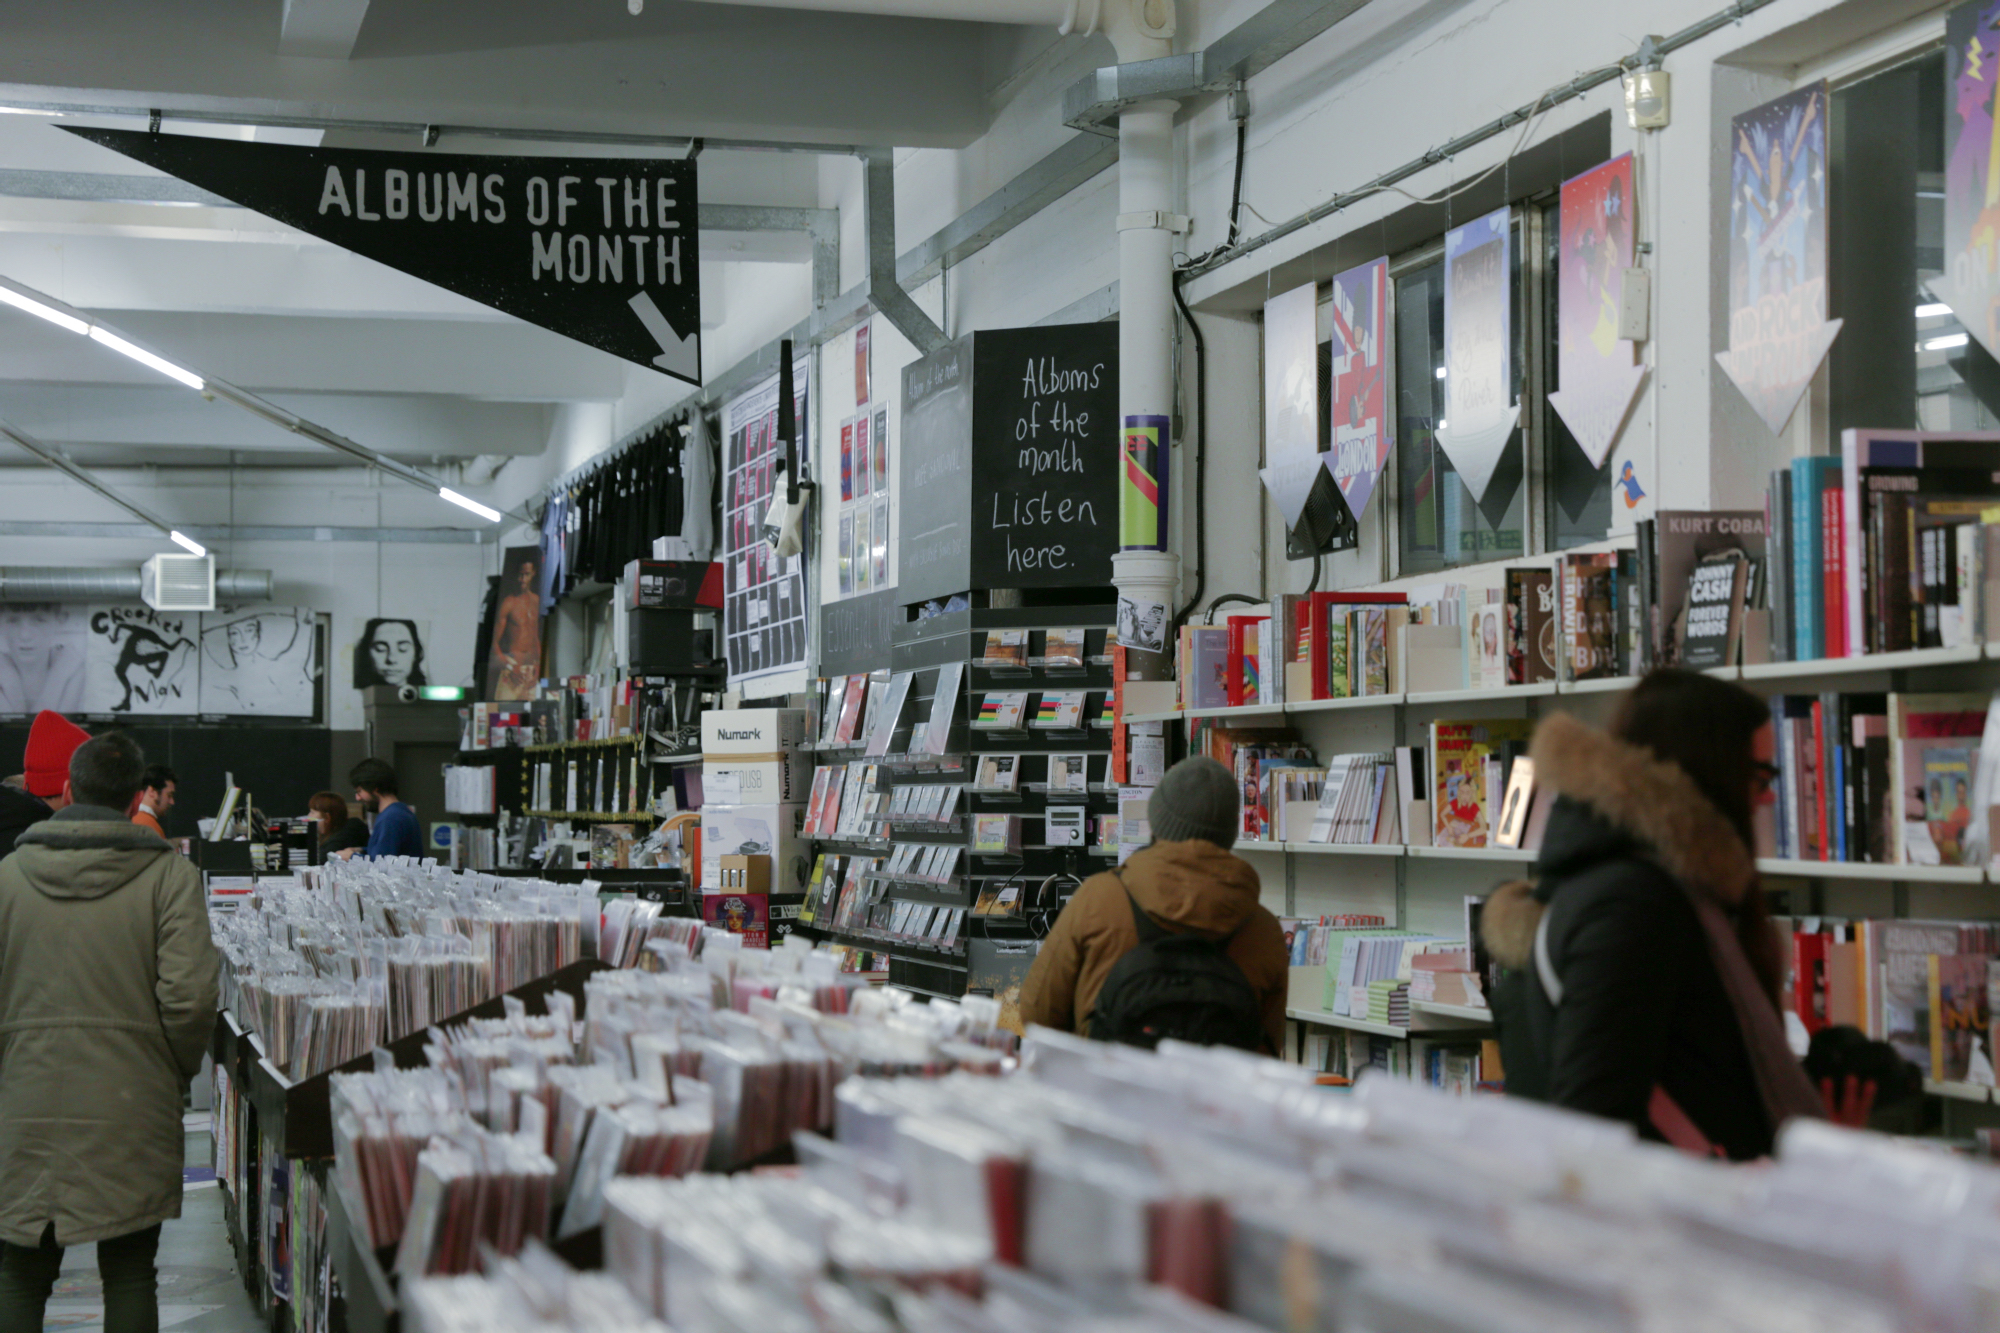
[997, 773]
[1321, 637]
[1005, 648]
[1062, 648]
[1202, 666]
[1923, 986]
[1588, 598]
[1000, 710]
[1711, 623]
[1461, 802]
[1531, 626]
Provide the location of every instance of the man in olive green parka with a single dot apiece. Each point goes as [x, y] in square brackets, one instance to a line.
[107, 1001]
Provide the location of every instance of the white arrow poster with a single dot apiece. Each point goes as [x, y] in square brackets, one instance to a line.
[1598, 377]
[1778, 329]
[1480, 410]
[1291, 399]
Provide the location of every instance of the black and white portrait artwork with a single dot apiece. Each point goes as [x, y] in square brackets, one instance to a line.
[42, 657]
[140, 661]
[257, 661]
[390, 651]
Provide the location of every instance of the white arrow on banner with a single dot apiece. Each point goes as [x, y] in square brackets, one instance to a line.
[678, 355]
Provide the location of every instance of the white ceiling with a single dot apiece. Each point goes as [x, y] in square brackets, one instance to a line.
[384, 358]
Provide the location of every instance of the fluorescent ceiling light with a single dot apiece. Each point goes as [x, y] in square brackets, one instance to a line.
[466, 502]
[188, 544]
[1933, 310]
[1440, 372]
[26, 111]
[48, 312]
[146, 358]
[1950, 340]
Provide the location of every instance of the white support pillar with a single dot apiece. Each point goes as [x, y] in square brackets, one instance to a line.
[1146, 572]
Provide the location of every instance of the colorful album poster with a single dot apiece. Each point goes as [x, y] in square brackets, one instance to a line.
[1778, 329]
[1971, 280]
[764, 602]
[1291, 400]
[1597, 374]
[882, 450]
[1480, 411]
[846, 460]
[861, 364]
[864, 466]
[1361, 430]
[1142, 514]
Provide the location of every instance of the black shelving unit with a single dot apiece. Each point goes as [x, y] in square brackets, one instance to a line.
[927, 650]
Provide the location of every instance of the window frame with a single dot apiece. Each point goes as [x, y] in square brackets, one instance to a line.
[1528, 233]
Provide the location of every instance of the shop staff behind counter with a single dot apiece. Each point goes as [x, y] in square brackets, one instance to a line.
[395, 831]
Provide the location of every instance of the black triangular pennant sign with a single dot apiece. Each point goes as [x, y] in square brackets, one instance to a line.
[603, 250]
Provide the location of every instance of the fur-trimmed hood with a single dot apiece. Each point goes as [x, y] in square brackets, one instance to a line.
[1652, 801]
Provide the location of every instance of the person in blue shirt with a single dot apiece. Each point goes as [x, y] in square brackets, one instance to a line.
[396, 831]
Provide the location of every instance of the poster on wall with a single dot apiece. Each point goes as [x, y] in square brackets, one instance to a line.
[1596, 368]
[514, 654]
[1970, 284]
[1291, 399]
[1479, 408]
[602, 250]
[389, 650]
[42, 657]
[1778, 329]
[881, 451]
[258, 662]
[140, 661]
[764, 598]
[1361, 431]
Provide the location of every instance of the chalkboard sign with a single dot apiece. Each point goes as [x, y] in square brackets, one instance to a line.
[1010, 462]
[854, 633]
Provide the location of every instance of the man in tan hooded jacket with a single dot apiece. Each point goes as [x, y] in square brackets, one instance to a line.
[107, 1000]
[1186, 879]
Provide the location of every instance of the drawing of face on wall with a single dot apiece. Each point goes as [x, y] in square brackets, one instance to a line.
[390, 651]
[41, 658]
[258, 662]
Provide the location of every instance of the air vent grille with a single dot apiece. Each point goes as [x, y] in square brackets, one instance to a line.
[178, 582]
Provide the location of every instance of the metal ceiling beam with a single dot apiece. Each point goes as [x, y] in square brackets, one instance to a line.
[243, 398]
[209, 535]
[62, 463]
[1093, 102]
[1076, 161]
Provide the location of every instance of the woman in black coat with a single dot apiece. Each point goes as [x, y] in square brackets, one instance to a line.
[1644, 968]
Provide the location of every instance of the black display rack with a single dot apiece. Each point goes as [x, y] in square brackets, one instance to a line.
[1046, 875]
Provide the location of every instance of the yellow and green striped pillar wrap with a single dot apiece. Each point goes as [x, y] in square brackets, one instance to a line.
[1142, 490]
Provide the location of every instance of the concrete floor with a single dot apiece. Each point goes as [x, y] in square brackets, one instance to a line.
[200, 1288]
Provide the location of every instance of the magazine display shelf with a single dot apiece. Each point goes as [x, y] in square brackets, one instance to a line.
[927, 649]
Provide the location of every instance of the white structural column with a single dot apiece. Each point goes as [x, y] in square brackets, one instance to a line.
[1147, 574]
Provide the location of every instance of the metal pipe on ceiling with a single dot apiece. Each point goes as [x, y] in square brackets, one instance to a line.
[76, 584]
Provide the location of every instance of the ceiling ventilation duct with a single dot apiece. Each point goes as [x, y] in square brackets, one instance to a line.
[19, 584]
[178, 582]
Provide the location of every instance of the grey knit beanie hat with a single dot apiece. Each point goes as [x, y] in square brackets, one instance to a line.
[1197, 799]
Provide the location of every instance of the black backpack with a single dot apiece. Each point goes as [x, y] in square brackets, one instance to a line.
[1184, 986]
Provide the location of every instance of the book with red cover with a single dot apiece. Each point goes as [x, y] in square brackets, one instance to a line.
[1809, 979]
[1316, 614]
[1833, 570]
[1239, 628]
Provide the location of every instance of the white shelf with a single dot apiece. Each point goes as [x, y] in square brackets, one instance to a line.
[1427, 698]
[1603, 685]
[1345, 848]
[1461, 1012]
[1963, 1092]
[1887, 874]
[1496, 855]
[1338, 705]
[1321, 1018]
[1171, 715]
[1257, 845]
[1848, 666]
